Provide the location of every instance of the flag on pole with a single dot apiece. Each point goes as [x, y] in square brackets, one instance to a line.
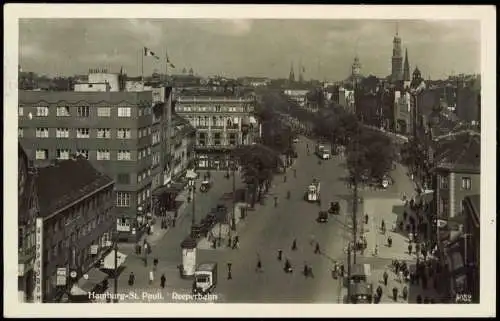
[168, 61]
[149, 53]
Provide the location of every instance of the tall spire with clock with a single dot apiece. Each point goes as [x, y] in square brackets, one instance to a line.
[397, 57]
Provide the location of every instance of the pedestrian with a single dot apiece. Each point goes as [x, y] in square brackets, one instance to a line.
[375, 250]
[394, 294]
[138, 249]
[280, 254]
[214, 243]
[379, 291]
[276, 201]
[316, 249]
[288, 266]
[385, 276]
[410, 247]
[259, 265]
[389, 241]
[288, 194]
[366, 218]
[401, 275]
[284, 178]
[295, 173]
[173, 221]
[229, 244]
[236, 242]
[163, 280]
[410, 238]
[294, 245]
[151, 277]
[306, 270]
[401, 226]
[229, 272]
[405, 293]
[155, 261]
[419, 299]
[382, 225]
[424, 254]
[131, 279]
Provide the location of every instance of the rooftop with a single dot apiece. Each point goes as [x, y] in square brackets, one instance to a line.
[73, 97]
[459, 151]
[65, 182]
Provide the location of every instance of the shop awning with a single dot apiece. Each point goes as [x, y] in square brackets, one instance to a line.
[170, 188]
[109, 260]
[190, 174]
[88, 282]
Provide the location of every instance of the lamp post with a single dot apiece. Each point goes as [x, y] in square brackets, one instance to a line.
[115, 271]
[233, 219]
[192, 188]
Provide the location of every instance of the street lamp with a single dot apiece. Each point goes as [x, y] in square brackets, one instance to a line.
[115, 270]
[192, 188]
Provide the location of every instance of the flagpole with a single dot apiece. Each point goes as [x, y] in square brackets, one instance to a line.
[142, 67]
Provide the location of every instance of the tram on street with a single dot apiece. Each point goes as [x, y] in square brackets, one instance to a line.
[313, 191]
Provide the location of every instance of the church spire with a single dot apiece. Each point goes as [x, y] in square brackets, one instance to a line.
[406, 68]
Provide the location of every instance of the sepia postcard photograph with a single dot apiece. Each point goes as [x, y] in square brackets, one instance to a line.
[249, 160]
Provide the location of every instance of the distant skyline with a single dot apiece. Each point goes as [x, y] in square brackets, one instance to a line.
[245, 47]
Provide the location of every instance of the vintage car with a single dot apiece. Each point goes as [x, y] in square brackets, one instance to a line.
[322, 217]
[205, 186]
[334, 208]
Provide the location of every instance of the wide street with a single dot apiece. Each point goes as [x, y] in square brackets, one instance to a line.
[262, 233]
[268, 229]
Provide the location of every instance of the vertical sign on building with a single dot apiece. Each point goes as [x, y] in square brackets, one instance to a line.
[38, 266]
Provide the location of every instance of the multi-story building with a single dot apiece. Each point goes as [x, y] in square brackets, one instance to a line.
[472, 248]
[27, 213]
[74, 228]
[119, 132]
[298, 95]
[457, 171]
[222, 123]
[183, 142]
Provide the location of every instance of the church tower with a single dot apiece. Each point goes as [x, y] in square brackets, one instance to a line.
[291, 78]
[406, 71]
[397, 58]
[356, 68]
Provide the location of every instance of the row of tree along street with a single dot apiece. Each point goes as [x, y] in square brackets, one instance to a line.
[261, 161]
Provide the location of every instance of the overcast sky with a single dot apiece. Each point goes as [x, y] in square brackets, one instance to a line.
[247, 47]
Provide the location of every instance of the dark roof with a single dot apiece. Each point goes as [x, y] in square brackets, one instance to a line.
[65, 182]
[460, 150]
[73, 97]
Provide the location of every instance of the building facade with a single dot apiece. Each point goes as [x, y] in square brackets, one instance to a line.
[183, 146]
[74, 228]
[221, 123]
[472, 249]
[457, 171]
[27, 213]
[119, 132]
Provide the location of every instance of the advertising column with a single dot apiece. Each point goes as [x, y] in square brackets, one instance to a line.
[38, 266]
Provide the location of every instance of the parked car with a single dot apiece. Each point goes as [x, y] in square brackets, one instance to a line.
[322, 217]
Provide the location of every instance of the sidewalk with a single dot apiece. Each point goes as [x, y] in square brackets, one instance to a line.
[158, 232]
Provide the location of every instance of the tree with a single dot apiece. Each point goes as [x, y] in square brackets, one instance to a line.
[259, 163]
[370, 155]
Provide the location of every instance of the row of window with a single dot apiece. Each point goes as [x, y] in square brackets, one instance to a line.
[43, 132]
[102, 154]
[81, 111]
[466, 183]
[214, 121]
[217, 109]
[143, 196]
[143, 132]
[217, 139]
